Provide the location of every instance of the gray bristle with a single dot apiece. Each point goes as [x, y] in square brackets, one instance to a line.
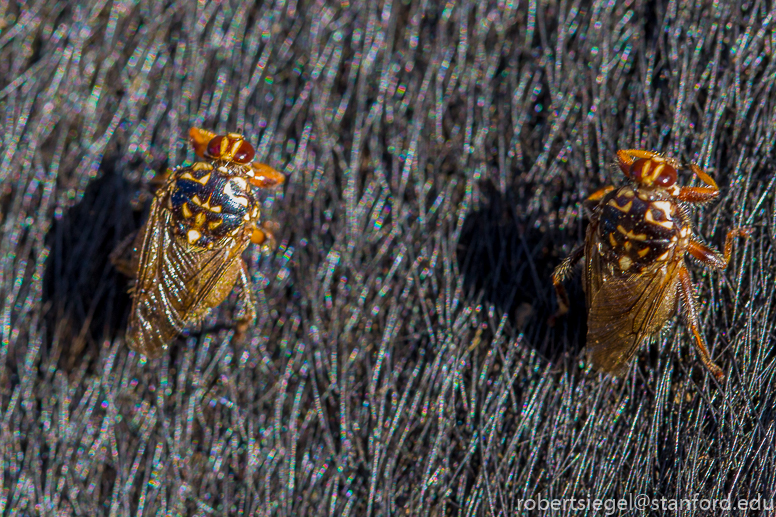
[437, 158]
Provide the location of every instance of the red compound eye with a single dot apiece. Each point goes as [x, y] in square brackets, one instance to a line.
[245, 153]
[667, 176]
[214, 147]
[637, 169]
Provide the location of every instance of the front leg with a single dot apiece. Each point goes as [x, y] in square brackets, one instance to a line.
[699, 195]
[594, 199]
[598, 195]
[199, 138]
[627, 157]
[264, 176]
[713, 258]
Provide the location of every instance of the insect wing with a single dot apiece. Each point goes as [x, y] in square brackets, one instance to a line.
[154, 320]
[626, 309]
[212, 279]
[593, 267]
[174, 282]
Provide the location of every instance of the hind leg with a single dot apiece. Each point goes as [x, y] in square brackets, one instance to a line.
[249, 309]
[560, 274]
[124, 256]
[686, 293]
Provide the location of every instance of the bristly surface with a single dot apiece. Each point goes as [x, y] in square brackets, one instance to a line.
[437, 155]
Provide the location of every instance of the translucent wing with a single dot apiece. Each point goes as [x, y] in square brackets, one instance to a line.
[623, 310]
[176, 284]
[593, 266]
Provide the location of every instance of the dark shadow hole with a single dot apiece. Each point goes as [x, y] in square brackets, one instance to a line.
[86, 297]
[507, 260]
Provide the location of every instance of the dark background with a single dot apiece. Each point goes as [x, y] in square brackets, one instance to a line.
[437, 158]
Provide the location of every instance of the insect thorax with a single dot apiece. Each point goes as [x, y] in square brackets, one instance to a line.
[637, 229]
[210, 202]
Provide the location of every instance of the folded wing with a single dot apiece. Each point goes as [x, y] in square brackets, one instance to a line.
[175, 282]
[625, 309]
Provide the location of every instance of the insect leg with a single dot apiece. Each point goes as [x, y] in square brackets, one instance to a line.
[265, 235]
[124, 256]
[599, 194]
[699, 194]
[628, 155]
[625, 157]
[259, 236]
[686, 292]
[265, 176]
[199, 138]
[560, 274]
[713, 258]
[703, 176]
[250, 304]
